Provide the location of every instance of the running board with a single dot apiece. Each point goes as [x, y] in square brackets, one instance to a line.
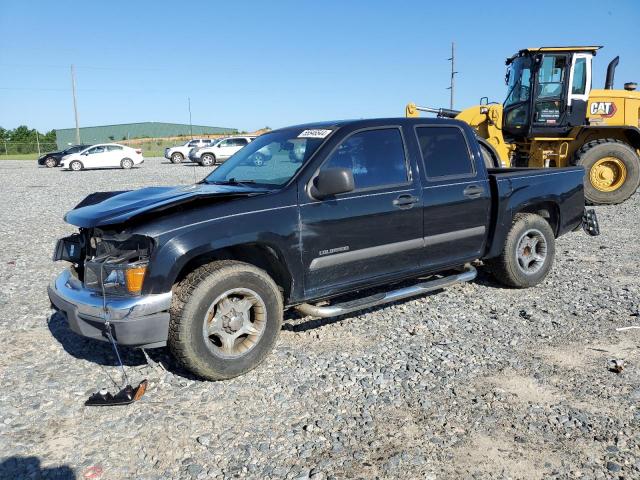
[468, 274]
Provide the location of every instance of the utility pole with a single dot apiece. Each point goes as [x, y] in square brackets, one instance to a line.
[452, 85]
[75, 103]
[38, 142]
[190, 125]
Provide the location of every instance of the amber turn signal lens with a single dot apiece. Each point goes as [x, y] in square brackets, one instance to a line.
[134, 277]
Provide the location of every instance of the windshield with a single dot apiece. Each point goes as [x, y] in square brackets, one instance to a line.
[519, 81]
[271, 159]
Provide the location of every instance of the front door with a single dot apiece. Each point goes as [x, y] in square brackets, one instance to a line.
[371, 232]
[456, 198]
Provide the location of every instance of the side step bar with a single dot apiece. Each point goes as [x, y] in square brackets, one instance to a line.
[468, 274]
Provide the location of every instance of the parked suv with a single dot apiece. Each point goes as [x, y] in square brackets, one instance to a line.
[179, 153]
[218, 152]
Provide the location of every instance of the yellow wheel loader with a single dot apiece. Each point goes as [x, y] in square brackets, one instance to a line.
[553, 118]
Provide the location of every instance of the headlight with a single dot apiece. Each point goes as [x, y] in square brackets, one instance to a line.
[115, 278]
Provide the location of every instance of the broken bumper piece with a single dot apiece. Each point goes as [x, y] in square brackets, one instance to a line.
[141, 321]
[590, 222]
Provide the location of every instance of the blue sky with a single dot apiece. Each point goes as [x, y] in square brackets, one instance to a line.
[252, 64]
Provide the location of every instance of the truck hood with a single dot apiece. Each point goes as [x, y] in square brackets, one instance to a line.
[110, 208]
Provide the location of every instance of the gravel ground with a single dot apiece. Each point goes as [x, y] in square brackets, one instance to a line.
[476, 381]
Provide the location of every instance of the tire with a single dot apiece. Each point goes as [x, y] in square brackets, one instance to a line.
[126, 163]
[199, 311]
[76, 165]
[207, 160]
[528, 253]
[489, 154]
[610, 157]
[50, 162]
[177, 157]
[259, 159]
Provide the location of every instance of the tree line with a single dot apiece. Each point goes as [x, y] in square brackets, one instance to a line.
[23, 139]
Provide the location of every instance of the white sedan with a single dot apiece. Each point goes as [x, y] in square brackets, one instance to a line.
[104, 155]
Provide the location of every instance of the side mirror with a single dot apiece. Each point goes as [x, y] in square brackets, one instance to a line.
[332, 181]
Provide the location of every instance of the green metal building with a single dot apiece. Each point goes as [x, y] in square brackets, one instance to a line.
[126, 131]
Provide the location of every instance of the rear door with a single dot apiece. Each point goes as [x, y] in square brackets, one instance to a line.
[456, 196]
[369, 233]
[115, 155]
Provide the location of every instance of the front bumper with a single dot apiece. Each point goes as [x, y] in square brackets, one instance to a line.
[141, 321]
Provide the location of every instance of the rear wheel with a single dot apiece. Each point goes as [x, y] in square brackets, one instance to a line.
[50, 162]
[612, 171]
[528, 253]
[177, 157]
[126, 163]
[76, 166]
[225, 319]
[207, 160]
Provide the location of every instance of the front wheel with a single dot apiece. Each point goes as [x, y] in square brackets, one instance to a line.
[177, 157]
[207, 160]
[225, 319]
[528, 253]
[50, 162]
[76, 166]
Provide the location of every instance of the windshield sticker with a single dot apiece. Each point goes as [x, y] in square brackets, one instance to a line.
[315, 133]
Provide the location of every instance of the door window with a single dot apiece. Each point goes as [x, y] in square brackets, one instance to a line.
[193, 144]
[445, 152]
[113, 148]
[376, 158]
[95, 150]
[239, 142]
[551, 76]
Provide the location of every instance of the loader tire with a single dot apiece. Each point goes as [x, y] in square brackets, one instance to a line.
[528, 252]
[225, 318]
[612, 171]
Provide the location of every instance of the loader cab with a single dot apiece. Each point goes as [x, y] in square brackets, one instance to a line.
[548, 89]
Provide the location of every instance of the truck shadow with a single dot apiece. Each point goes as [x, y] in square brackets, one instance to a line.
[30, 467]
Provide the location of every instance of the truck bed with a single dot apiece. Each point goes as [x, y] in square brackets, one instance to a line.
[517, 187]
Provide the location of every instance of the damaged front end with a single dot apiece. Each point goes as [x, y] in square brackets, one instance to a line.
[111, 263]
[105, 283]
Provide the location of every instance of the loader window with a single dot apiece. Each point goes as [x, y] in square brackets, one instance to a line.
[579, 84]
[444, 151]
[519, 81]
[551, 76]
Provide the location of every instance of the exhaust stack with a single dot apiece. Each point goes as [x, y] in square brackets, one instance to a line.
[611, 71]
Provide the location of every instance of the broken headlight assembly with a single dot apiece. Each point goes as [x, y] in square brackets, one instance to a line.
[117, 263]
[107, 262]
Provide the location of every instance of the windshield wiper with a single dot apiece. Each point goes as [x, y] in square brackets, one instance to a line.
[231, 181]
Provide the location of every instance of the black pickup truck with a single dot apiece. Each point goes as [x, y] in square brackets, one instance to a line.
[330, 208]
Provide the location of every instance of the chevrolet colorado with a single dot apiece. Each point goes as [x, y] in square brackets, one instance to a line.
[209, 268]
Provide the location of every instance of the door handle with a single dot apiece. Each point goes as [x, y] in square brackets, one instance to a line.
[405, 201]
[473, 191]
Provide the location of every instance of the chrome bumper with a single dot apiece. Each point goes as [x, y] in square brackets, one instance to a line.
[140, 321]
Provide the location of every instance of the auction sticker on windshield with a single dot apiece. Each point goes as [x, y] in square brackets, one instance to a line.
[315, 133]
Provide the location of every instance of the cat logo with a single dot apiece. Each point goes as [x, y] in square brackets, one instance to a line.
[606, 109]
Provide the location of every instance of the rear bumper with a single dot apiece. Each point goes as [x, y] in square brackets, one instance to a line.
[136, 321]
